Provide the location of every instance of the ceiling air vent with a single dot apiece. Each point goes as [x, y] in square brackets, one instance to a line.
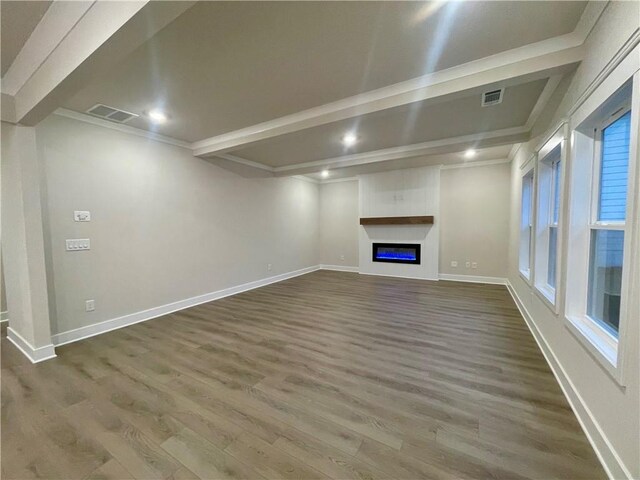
[493, 97]
[110, 113]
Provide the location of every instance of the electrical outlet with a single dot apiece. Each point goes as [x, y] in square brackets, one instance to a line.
[468, 264]
[342, 257]
[269, 267]
[90, 305]
[474, 265]
[454, 263]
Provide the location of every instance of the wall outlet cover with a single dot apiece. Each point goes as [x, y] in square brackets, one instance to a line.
[90, 305]
[82, 216]
[454, 263]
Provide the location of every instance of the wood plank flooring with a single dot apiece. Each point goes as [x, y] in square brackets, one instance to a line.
[327, 375]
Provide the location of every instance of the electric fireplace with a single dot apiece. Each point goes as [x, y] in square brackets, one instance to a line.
[396, 253]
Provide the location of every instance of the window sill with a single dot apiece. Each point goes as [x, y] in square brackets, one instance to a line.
[526, 276]
[548, 297]
[599, 343]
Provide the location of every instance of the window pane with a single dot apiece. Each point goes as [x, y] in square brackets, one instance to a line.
[525, 222]
[605, 277]
[553, 248]
[614, 169]
[556, 193]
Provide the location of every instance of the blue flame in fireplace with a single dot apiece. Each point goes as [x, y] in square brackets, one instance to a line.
[395, 255]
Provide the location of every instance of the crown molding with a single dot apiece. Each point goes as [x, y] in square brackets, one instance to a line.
[527, 60]
[543, 100]
[405, 151]
[244, 161]
[304, 178]
[339, 180]
[83, 117]
[479, 163]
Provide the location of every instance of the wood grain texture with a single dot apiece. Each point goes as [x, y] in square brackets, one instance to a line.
[414, 220]
[327, 375]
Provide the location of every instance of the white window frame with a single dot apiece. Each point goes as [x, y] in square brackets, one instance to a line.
[585, 170]
[544, 217]
[528, 169]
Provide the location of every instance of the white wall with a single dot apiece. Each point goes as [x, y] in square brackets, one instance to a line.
[414, 191]
[339, 223]
[610, 413]
[474, 220]
[165, 226]
[474, 226]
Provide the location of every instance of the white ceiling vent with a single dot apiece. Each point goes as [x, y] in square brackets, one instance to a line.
[110, 113]
[493, 97]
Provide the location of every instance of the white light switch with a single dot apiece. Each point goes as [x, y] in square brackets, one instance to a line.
[90, 305]
[74, 244]
[82, 216]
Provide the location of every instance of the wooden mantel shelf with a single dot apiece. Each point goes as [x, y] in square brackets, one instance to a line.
[419, 220]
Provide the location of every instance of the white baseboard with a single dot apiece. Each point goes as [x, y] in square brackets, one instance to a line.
[472, 279]
[398, 276]
[610, 460]
[36, 355]
[98, 328]
[4, 316]
[340, 268]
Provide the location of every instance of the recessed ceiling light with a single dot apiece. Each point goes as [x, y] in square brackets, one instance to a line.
[470, 153]
[157, 116]
[349, 139]
[324, 173]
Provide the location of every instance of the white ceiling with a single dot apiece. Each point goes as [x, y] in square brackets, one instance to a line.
[225, 66]
[222, 66]
[19, 18]
[455, 158]
[405, 125]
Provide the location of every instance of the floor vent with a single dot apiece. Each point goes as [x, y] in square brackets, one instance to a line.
[493, 97]
[110, 113]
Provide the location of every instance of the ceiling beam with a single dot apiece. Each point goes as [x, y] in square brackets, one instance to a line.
[75, 42]
[494, 138]
[524, 61]
[530, 59]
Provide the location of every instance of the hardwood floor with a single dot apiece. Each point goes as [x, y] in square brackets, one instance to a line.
[328, 375]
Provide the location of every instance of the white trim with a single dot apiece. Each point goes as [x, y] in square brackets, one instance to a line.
[616, 60]
[543, 99]
[480, 163]
[83, 117]
[473, 279]
[514, 150]
[529, 59]
[609, 458]
[36, 355]
[339, 180]
[398, 276]
[304, 178]
[340, 268]
[4, 316]
[97, 328]
[56, 23]
[413, 150]
[244, 161]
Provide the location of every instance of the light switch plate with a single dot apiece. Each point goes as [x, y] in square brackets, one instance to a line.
[82, 216]
[74, 244]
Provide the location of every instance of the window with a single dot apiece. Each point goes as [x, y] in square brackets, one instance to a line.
[609, 206]
[601, 231]
[526, 224]
[548, 217]
[553, 223]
